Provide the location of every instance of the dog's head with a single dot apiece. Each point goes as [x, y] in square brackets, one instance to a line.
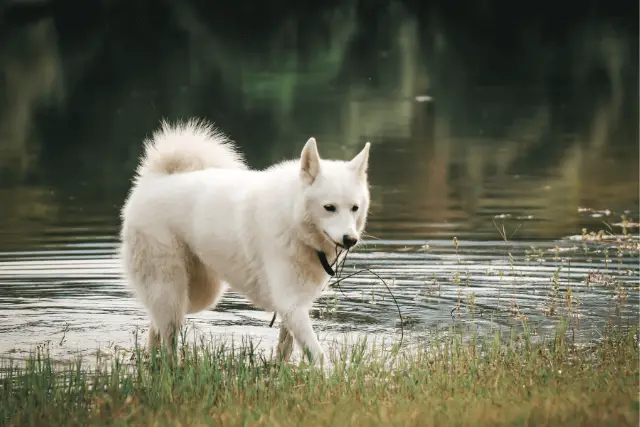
[335, 196]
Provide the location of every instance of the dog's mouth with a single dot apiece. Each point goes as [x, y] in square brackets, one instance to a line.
[339, 245]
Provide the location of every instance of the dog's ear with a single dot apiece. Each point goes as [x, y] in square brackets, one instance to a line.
[310, 161]
[360, 163]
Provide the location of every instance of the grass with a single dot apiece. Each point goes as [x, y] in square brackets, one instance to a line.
[456, 379]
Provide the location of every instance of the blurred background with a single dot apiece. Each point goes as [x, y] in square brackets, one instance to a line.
[477, 111]
[474, 108]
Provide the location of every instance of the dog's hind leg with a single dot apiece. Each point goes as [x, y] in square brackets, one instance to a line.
[168, 310]
[157, 269]
[153, 341]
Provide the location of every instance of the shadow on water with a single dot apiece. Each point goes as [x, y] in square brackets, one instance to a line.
[511, 114]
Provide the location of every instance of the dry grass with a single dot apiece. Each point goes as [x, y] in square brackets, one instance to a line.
[459, 379]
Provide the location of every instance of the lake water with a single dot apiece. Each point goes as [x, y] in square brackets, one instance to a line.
[544, 143]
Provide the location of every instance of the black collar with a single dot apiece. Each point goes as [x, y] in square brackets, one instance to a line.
[325, 264]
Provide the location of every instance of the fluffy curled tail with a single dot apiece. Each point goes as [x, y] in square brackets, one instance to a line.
[188, 146]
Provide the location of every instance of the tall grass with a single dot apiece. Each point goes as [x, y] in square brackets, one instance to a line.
[458, 379]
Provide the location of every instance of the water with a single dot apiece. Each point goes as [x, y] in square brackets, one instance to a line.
[461, 145]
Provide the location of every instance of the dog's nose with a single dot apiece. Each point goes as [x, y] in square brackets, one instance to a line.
[349, 241]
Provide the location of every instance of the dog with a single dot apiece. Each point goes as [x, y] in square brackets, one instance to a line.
[198, 221]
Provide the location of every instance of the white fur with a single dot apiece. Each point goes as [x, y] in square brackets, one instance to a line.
[198, 219]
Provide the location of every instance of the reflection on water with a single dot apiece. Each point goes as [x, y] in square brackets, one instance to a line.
[69, 291]
[465, 131]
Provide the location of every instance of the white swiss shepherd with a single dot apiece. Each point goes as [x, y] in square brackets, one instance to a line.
[198, 219]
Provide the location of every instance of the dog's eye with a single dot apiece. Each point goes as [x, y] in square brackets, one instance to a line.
[354, 208]
[330, 208]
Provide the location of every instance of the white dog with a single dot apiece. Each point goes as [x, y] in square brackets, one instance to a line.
[197, 219]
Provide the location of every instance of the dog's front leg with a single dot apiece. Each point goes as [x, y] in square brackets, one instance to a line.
[296, 319]
[292, 302]
[285, 344]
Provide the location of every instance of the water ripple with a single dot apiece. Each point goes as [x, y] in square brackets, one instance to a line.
[73, 294]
